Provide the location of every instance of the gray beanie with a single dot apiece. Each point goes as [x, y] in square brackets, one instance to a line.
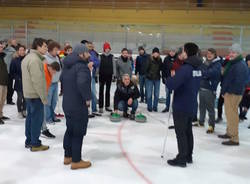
[236, 48]
[80, 48]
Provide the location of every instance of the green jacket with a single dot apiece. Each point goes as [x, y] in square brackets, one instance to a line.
[154, 68]
[33, 77]
[3, 71]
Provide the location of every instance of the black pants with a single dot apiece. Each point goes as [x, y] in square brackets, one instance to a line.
[245, 103]
[10, 91]
[184, 135]
[220, 106]
[73, 137]
[104, 80]
[21, 104]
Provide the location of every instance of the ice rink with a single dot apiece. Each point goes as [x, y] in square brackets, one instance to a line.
[123, 153]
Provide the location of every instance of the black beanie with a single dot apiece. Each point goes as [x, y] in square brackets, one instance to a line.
[191, 49]
[156, 50]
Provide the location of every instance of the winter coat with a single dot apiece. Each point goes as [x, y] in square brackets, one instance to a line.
[50, 60]
[167, 66]
[76, 81]
[211, 74]
[153, 68]
[123, 93]
[94, 58]
[33, 78]
[186, 84]
[9, 51]
[123, 66]
[16, 73]
[107, 65]
[235, 80]
[3, 71]
[141, 63]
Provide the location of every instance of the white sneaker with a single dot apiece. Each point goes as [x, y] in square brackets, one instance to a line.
[20, 115]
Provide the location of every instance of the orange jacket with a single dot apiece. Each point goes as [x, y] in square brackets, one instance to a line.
[48, 77]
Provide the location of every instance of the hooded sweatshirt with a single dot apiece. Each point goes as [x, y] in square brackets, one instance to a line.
[186, 84]
[50, 60]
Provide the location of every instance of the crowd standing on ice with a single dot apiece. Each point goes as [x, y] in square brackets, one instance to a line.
[38, 71]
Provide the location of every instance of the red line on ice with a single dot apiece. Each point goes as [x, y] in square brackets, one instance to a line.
[128, 158]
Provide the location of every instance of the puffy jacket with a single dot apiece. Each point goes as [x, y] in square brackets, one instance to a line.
[16, 73]
[3, 71]
[211, 74]
[76, 81]
[33, 78]
[236, 78]
[141, 63]
[124, 93]
[186, 84]
[153, 68]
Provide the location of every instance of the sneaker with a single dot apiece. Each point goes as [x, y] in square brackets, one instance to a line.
[80, 165]
[1, 122]
[39, 148]
[210, 130]
[10, 103]
[224, 136]
[197, 124]
[101, 110]
[165, 110]
[5, 118]
[28, 146]
[230, 143]
[67, 160]
[218, 120]
[91, 115]
[108, 109]
[177, 163]
[149, 110]
[97, 113]
[47, 134]
[59, 115]
[56, 120]
[132, 116]
[155, 110]
[171, 127]
[248, 127]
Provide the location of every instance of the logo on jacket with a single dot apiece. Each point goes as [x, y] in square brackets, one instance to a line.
[197, 73]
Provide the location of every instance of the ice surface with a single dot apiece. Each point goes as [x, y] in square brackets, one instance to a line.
[139, 163]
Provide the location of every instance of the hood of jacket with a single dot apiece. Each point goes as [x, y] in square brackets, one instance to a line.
[195, 61]
[72, 59]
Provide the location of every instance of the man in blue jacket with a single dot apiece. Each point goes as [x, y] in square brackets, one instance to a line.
[211, 71]
[235, 77]
[76, 79]
[185, 84]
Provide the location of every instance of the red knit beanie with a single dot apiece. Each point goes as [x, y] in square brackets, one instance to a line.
[106, 46]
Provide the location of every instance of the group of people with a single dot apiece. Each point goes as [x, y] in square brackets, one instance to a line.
[38, 71]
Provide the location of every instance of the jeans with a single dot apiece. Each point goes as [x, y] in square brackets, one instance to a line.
[34, 120]
[123, 106]
[184, 135]
[207, 103]
[44, 125]
[168, 97]
[73, 137]
[93, 92]
[52, 101]
[21, 104]
[150, 86]
[142, 82]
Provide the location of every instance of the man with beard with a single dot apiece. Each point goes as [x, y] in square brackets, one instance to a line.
[76, 79]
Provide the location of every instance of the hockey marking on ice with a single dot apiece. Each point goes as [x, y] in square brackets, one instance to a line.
[125, 154]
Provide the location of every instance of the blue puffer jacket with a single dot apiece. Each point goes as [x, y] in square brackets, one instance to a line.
[236, 78]
[141, 63]
[76, 80]
[94, 58]
[211, 75]
[186, 84]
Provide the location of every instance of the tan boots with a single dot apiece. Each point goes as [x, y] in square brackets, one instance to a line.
[76, 165]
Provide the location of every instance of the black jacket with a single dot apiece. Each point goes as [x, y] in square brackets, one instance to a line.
[141, 63]
[16, 73]
[106, 65]
[153, 68]
[3, 71]
[167, 66]
[76, 81]
[123, 93]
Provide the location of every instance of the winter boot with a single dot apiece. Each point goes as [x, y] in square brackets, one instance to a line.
[210, 130]
[39, 148]
[175, 162]
[80, 165]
